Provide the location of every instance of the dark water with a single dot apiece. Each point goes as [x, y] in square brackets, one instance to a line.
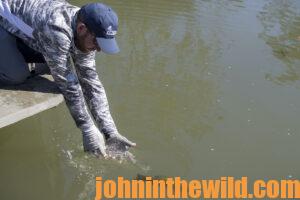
[205, 88]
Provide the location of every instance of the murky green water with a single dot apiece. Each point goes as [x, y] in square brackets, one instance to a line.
[205, 88]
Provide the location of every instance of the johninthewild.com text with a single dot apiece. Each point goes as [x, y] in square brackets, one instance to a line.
[176, 187]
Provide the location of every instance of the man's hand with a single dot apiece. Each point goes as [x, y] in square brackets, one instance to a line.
[122, 139]
[93, 141]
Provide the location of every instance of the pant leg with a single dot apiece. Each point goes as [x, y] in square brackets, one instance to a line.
[30, 55]
[13, 68]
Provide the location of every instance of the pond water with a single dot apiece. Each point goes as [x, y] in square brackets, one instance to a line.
[205, 88]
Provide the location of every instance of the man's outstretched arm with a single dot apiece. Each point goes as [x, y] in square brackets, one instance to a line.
[57, 58]
[95, 96]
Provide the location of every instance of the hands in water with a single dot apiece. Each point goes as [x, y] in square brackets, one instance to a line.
[94, 142]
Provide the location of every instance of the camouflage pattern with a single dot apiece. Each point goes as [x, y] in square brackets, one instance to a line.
[53, 23]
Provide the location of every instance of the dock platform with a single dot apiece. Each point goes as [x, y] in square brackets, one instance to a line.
[35, 95]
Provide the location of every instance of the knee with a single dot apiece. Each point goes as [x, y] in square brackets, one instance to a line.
[13, 68]
[20, 78]
[13, 79]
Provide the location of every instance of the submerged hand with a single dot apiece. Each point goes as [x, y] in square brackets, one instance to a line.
[122, 139]
[93, 141]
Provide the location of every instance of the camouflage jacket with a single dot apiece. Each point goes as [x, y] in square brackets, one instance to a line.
[52, 24]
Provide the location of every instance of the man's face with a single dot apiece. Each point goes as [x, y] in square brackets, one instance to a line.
[85, 40]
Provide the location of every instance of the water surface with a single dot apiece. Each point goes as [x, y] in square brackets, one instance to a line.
[205, 88]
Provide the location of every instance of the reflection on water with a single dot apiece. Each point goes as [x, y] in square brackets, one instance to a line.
[281, 21]
[189, 88]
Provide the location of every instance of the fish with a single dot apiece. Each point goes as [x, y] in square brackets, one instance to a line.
[144, 177]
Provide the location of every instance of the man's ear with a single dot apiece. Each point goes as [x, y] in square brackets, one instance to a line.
[81, 28]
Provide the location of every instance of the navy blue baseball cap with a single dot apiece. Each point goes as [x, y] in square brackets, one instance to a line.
[103, 22]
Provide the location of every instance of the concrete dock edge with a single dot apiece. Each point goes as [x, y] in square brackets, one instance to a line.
[34, 96]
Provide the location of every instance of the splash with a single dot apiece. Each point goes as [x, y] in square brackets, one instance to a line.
[119, 151]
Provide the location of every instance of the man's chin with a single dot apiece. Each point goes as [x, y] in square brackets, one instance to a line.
[85, 50]
[82, 49]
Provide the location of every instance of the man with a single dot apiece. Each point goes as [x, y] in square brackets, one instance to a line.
[63, 34]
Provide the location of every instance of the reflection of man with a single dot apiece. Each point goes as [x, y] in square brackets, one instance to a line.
[59, 33]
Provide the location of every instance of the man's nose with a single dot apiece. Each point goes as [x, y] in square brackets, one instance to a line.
[97, 48]
[96, 45]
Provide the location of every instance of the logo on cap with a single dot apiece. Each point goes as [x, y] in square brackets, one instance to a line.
[110, 31]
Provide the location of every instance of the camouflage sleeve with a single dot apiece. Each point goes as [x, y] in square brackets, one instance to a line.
[94, 92]
[57, 57]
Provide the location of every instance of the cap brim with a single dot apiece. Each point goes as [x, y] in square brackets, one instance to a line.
[108, 46]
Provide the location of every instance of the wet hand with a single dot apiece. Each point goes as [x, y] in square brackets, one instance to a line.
[122, 139]
[93, 142]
